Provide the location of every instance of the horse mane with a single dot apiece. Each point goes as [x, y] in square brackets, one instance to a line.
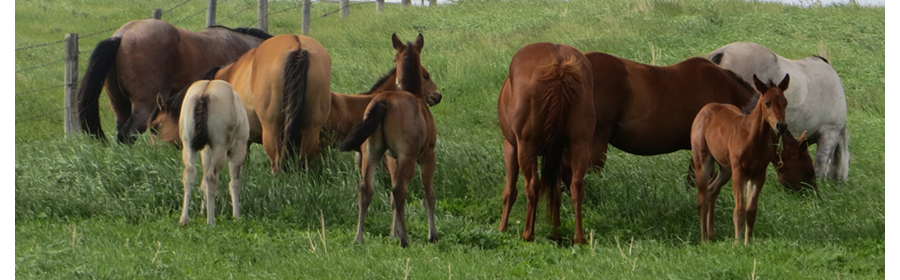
[716, 58]
[381, 81]
[822, 58]
[255, 32]
[411, 80]
[175, 102]
[753, 98]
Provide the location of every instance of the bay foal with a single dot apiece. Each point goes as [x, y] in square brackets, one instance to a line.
[742, 146]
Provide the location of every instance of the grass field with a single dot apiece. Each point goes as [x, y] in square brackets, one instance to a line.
[84, 209]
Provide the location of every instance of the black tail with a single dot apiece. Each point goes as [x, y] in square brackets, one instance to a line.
[201, 115]
[103, 57]
[374, 117]
[716, 57]
[296, 66]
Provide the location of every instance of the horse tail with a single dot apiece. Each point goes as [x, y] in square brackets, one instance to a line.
[374, 117]
[201, 117]
[564, 81]
[102, 58]
[296, 67]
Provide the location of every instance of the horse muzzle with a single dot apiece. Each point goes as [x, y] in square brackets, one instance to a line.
[435, 99]
[780, 127]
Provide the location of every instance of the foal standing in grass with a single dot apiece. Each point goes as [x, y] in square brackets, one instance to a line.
[214, 122]
[742, 146]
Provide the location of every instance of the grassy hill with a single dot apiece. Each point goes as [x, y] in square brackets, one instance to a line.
[90, 210]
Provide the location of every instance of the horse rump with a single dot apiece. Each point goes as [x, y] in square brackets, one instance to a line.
[102, 59]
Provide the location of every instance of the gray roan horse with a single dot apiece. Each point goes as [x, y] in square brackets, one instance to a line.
[816, 101]
[146, 58]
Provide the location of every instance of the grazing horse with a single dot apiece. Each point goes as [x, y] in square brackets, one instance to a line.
[742, 147]
[546, 110]
[400, 124]
[648, 110]
[145, 58]
[793, 165]
[286, 87]
[212, 121]
[816, 101]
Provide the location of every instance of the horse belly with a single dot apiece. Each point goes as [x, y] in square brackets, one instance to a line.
[650, 140]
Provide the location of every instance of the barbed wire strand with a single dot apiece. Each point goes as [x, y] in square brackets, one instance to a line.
[234, 14]
[44, 114]
[40, 66]
[189, 16]
[176, 7]
[39, 90]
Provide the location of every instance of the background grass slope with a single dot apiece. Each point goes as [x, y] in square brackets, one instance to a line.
[91, 210]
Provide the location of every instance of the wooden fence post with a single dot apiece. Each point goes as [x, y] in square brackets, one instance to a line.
[210, 13]
[406, 2]
[345, 8]
[157, 13]
[306, 4]
[71, 76]
[379, 5]
[432, 3]
[263, 15]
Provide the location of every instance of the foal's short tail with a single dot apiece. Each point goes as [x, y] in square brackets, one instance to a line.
[374, 118]
[564, 83]
[296, 67]
[101, 60]
[201, 117]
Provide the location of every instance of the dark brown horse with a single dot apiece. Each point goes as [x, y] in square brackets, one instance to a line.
[742, 147]
[399, 124]
[146, 58]
[546, 110]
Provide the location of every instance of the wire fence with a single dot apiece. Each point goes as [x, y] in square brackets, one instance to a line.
[241, 8]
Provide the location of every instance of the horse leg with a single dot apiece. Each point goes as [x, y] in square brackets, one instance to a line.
[213, 160]
[236, 162]
[579, 163]
[754, 186]
[741, 184]
[512, 176]
[309, 145]
[714, 189]
[188, 178]
[118, 99]
[703, 163]
[826, 155]
[426, 170]
[532, 185]
[841, 165]
[406, 168]
[273, 146]
[137, 122]
[370, 160]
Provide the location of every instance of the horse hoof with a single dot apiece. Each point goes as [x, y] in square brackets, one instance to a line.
[433, 239]
[184, 221]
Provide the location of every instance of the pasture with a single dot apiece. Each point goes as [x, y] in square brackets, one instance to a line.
[85, 209]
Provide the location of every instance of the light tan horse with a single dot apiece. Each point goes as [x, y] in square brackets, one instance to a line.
[286, 87]
[742, 147]
[146, 58]
[213, 121]
[399, 124]
[546, 110]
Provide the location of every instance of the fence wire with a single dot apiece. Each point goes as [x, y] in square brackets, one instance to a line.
[37, 116]
[176, 7]
[39, 90]
[40, 66]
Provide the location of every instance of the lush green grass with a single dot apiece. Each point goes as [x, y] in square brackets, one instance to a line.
[91, 210]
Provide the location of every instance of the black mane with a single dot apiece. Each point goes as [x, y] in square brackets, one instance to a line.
[381, 81]
[411, 81]
[822, 58]
[255, 32]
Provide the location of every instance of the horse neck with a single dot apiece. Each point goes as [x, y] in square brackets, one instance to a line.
[386, 83]
[411, 79]
[221, 41]
[760, 132]
[347, 111]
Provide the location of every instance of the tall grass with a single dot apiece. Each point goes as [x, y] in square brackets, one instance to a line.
[92, 210]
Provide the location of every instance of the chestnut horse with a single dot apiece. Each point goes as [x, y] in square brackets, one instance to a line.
[286, 87]
[816, 99]
[742, 147]
[144, 58]
[213, 121]
[546, 110]
[400, 124]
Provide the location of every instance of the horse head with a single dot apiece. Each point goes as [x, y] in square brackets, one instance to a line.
[774, 101]
[795, 166]
[411, 75]
[163, 122]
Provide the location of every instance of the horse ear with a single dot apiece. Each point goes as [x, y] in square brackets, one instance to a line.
[784, 82]
[398, 45]
[420, 42]
[760, 86]
[802, 137]
[161, 102]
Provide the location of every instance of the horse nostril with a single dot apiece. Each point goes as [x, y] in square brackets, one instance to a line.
[781, 127]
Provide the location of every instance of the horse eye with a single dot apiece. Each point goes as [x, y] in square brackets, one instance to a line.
[427, 77]
[767, 104]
